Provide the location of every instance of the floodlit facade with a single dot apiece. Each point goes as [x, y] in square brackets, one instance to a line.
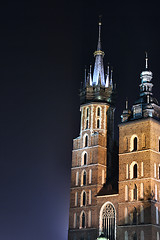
[115, 195]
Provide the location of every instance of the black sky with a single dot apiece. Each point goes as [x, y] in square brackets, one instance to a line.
[44, 47]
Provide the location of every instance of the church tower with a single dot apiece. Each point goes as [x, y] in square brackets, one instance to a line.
[139, 166]
[92, 149]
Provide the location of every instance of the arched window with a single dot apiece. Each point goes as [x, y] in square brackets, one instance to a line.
[135, 192]
[135, 215]
[82, 220]
[84, 199]
[126, 215]
[135, 144]
[98, 123]
[98, 111]
[108, 221]
[87, 112]
[84, 158]
[126, 235]
[86, 141]
[135, 171]
[86, 123]
[135, 236]
[83, 178]
[142, 235]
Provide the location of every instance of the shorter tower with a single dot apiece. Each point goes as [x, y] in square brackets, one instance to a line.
[139, 166]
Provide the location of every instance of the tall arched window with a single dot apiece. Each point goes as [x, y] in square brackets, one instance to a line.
[135, 192]
[83, 178]
[142, 235]
[135, 144]
[135, 215]
[98, 117]
[135, 171]
[86, 141]
[98, 111]
[84, 158]
[126, 235]
[108, 221]
[135, 236]
[87, 118]
[84, 199]
[98, 123]
[82, 220]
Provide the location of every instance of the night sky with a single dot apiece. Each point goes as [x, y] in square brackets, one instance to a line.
[44, 47]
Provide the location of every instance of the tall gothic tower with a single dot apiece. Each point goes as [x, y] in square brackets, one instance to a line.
[92, 149]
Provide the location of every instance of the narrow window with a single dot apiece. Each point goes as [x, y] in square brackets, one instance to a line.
[159, 145]
[142, 191]
[89, 219]
[135, 216]
[85, 159]
[135, 192]
[86, 141]
[159, 172]
[156, 192]
[126, 193]
[142, 171]
[98, 112]
[142, 214]
[127, 171]
[84, 178]
[84, 199]
[157, 217]
[76, 198]
[90, 196]
[77, 178]
[87, 113]
[135, 144]
[75, 220]
[126, 235]
[126, 215]
[98, 123]
[86, 123]
[83, 220]
[142, 235]
[90, 176]
[135, 171]
[155, 170]
[103, 178]
[135, 236]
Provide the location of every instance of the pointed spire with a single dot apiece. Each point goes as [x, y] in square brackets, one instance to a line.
[146, 60]
[90, 75]
[107, 78]
[99, 54]
[99, 36]
[111, 81]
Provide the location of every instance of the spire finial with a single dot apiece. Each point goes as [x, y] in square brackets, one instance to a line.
[99, 37]
[146, 59]
[126, 103]
[85, 76]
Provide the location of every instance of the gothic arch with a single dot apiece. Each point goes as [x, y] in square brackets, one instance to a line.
[107, 220]
[133, 170]
[134, 143]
